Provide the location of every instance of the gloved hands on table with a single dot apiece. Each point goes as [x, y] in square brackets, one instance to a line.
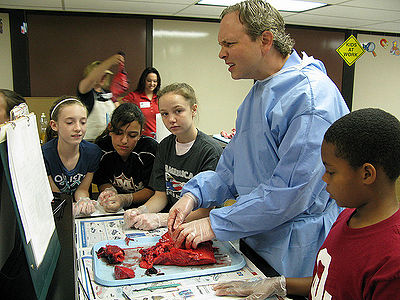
[149, 221]
[193, 233]
[260, 289]
[84, 206]
[130, 214]
[112, 201]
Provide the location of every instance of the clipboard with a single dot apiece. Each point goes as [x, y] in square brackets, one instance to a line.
[41, 274]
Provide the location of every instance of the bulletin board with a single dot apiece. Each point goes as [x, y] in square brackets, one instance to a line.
[377, 73]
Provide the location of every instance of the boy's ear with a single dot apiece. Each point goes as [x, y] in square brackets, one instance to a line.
[368, 173]
[53, 125]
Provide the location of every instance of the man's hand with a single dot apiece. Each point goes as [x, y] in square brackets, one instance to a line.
[193, 233]
[180, 210]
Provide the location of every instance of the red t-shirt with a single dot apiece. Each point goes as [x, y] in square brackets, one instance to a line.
[359, 263]
[149, 109]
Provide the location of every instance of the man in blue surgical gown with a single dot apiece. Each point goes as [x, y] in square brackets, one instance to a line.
[272, 166]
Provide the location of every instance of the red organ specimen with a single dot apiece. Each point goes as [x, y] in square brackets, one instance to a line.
[123, 272]
[164, 253]
[113, 254]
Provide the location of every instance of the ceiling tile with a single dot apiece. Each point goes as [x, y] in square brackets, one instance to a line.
[382, 4]
[203, 11]
[389, 27]
[130, 7]
[323, 21]
[31, 4]
[356, 12]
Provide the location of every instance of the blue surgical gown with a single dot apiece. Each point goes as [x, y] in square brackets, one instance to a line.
[273, 168]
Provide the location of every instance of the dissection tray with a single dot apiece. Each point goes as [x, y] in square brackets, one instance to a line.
[228, 260]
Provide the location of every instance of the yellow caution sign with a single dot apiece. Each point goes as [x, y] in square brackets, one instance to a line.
[350, 50]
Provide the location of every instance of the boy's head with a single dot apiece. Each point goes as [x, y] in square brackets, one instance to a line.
[359, 150]
[367, 135]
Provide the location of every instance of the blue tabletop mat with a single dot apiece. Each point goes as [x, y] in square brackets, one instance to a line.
[228, 259]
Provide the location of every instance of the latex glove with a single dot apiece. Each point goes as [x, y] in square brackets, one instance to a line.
[193, 233]
[84, 206]
[130, 214]
[116, 202]
[260, 289]
[150, 221]
[180, 210]
[107, 193]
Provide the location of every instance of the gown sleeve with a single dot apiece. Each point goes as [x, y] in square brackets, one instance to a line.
[287, 193]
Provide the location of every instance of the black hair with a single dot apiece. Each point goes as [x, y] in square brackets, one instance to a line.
[367, 135]
[122, 115]
[12, 99]
[55, 111]
[142, 80]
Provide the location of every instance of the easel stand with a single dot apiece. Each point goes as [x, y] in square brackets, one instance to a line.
[39, 270]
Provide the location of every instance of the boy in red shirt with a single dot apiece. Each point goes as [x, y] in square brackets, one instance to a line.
[360, 258]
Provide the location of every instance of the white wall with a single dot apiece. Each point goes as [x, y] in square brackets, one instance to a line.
[6, 81]
[377, 79]
[187, 51]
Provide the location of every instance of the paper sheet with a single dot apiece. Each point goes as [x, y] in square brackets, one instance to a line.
[31, 186]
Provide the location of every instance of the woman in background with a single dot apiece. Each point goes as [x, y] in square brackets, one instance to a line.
[145, 97]
[70, 161]
[8, 100]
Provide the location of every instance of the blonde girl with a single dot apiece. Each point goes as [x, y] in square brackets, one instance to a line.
[181, 155]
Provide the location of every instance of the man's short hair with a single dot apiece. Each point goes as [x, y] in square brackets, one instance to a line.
[258, 16]
[368, 135]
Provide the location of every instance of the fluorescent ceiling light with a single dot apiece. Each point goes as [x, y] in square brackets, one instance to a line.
[282, 5]
[179, 34]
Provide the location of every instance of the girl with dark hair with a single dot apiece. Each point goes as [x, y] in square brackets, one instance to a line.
[145, 96]
[125, 167]
[70, 161]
